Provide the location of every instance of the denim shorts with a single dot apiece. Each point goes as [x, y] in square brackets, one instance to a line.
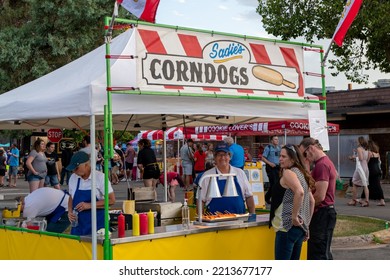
[33, 177]
[51, 180]
[13, 170]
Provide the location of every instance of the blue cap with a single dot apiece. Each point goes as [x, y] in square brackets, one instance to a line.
[222, 148]
[77, 159]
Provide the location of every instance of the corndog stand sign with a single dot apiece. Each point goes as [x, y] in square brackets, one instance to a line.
[189, 61]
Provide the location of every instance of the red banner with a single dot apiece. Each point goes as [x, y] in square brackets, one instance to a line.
[292, 127]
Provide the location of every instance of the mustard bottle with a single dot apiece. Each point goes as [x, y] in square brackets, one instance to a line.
[150, 221]
[135, 224]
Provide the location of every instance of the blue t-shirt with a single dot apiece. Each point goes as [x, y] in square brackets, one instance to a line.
[237, 158]
[14, 159]
[272, 153]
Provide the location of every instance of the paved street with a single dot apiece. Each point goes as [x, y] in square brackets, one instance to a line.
[353, 251]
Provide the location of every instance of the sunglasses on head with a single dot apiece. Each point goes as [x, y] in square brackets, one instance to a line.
[291, 148]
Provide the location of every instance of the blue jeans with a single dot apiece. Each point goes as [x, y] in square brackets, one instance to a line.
[65, 172]
[288, 245]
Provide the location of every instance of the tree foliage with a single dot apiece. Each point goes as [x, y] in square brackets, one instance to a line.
[366, 45]
[39, 36]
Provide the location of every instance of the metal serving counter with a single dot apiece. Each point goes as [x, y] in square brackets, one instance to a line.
[177, 230]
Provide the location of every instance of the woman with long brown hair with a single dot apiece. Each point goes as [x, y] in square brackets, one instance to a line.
[36, 164]
[147, 163]
[375, 174]
[292, 204]
[360, 176]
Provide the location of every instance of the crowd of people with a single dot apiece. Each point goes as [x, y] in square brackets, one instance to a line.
[301, 193]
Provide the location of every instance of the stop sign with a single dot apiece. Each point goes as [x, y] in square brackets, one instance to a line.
[54, 135]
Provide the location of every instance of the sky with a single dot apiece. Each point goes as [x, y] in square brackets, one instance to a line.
[240, 17]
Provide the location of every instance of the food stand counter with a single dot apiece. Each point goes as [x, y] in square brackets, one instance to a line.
[230, 240]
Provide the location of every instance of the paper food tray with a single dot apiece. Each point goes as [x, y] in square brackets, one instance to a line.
[224, 219]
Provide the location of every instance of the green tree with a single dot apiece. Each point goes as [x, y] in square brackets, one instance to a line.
[366, 45]
[39, 36]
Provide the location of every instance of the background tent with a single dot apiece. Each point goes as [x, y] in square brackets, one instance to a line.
[176, 133]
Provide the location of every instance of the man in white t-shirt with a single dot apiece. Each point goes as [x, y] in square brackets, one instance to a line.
[49, 203]
[80, 186]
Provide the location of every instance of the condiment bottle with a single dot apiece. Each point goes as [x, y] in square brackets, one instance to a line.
[185, 215]
[121, 226]
[150, 222]
[135, 224]
[143, 223]
[75, 223]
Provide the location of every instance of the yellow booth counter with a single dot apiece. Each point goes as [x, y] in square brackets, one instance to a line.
[230, 240]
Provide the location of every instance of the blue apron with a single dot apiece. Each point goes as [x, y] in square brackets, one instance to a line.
[85, 217]
[54, 216]
[234, 204]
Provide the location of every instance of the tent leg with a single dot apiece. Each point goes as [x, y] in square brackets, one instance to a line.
[93, 189]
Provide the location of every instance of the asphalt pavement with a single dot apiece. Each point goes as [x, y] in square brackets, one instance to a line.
[355, 248]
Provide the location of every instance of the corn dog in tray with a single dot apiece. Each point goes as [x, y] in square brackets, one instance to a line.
[222, 217]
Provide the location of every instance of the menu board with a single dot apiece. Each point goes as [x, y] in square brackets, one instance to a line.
[253, 171]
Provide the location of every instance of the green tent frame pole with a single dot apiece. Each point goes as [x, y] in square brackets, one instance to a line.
[323, 81]
[108, 151]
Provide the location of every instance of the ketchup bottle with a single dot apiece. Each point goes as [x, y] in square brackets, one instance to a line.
[143, 222]
[121, 226]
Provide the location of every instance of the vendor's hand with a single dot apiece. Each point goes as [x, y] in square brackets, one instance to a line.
[83, 206]
[71, 216]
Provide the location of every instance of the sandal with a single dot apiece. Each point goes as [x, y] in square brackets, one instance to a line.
[352, 202]
[381, 204]
[365, 204]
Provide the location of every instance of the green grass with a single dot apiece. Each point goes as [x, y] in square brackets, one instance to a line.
[353, 225]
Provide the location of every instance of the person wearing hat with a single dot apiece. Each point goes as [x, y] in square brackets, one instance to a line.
[235, 205]
[80, 185]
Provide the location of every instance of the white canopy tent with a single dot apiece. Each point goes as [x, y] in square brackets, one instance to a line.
[68, 96]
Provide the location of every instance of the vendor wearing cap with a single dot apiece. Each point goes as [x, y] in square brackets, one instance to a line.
[80, 185]
[236, 204]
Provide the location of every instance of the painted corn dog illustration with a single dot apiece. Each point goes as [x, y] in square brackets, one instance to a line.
[271, 76]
